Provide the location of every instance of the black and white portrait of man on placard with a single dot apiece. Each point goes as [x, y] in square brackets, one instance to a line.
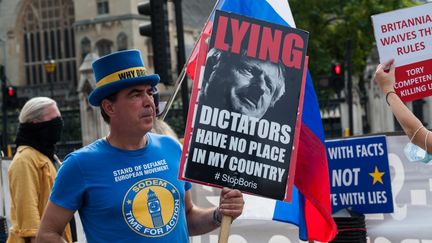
[242, 84]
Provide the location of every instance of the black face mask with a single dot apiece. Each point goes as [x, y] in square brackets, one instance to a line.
[42, 136]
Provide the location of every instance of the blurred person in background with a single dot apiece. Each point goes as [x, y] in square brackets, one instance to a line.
[419, 149]
[161, 127]
[34, 166]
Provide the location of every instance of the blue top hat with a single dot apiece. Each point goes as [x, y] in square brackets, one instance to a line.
[117, 71]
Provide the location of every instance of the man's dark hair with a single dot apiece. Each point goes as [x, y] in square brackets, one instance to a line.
[112, 98]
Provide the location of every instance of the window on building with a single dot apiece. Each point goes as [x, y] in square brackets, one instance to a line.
[104, 47]
[148, 43]
[122, 41]
[48, 34]
[332, 127]
[102, 7]
[85, 47]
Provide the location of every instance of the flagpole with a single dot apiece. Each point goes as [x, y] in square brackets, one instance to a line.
[177, 86]
[225, 229]
[182, 75]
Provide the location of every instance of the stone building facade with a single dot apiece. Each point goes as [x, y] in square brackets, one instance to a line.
[35, 32]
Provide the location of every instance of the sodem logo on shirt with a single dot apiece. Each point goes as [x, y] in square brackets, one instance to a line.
[151, 207]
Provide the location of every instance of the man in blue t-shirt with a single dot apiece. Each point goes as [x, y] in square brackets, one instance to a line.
[125, 186]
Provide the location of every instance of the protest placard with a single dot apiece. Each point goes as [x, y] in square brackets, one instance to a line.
[360, 175]
[244, 114]
[406, 36]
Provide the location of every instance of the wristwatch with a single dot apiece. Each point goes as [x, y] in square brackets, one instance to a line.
[216, 217]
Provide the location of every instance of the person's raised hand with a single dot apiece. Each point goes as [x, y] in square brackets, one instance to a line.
[385, 76]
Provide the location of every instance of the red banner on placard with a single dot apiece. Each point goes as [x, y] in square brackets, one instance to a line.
[414, 81]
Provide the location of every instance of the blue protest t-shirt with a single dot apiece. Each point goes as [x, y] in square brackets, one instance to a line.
[125, 196]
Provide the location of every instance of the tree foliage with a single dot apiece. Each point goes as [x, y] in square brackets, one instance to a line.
[331, 23]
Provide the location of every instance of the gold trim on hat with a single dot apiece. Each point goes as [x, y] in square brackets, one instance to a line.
[128, 73]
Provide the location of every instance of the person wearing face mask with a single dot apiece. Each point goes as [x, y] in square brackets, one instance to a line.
[33, 168]
[419, 149]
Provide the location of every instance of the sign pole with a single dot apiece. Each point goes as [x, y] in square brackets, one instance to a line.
[224, 229]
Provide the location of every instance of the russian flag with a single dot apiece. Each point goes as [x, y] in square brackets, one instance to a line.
[310, 207]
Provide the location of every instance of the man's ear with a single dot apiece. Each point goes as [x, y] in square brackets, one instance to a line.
[107, 106]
